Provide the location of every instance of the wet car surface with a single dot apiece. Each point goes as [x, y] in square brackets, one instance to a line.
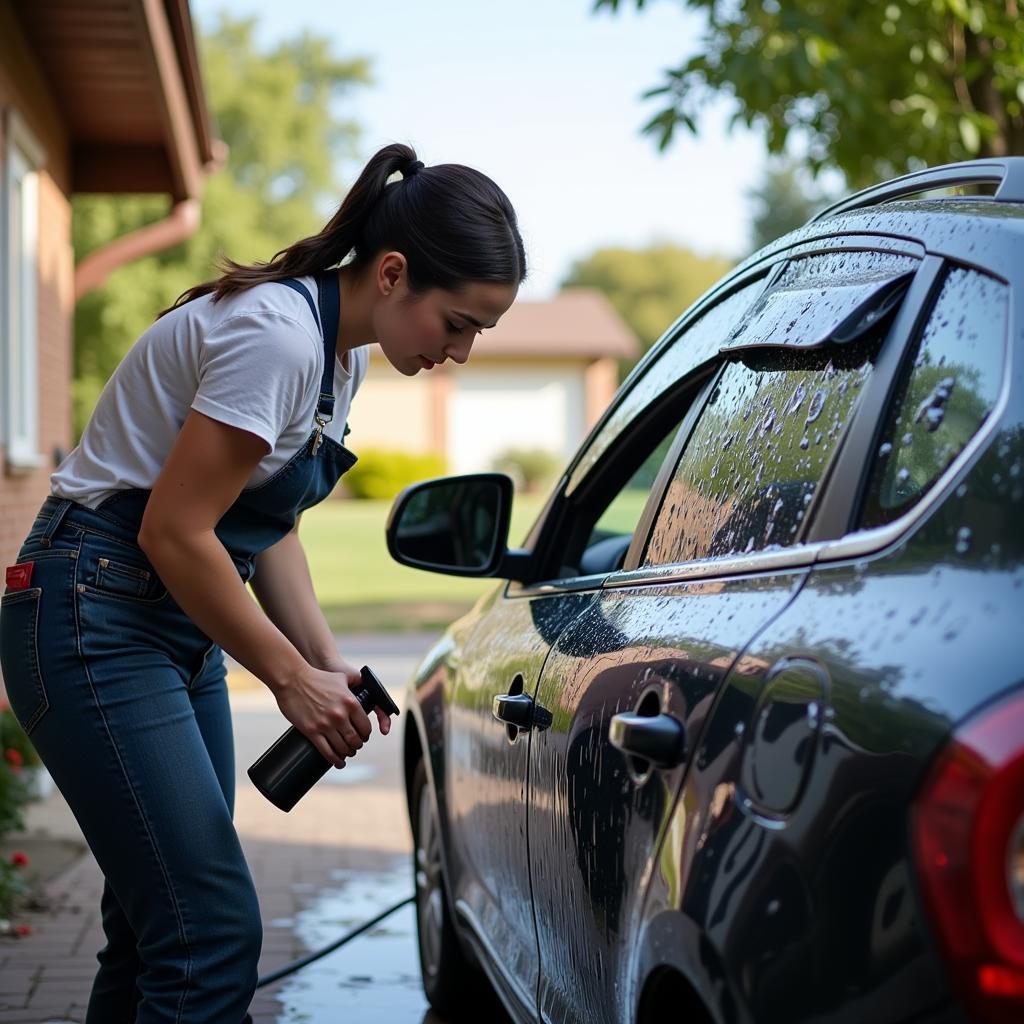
[739, 734]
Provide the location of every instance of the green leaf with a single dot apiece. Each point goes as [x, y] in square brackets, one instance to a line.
[970, 136]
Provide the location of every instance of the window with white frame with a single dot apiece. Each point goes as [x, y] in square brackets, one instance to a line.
[19, 334]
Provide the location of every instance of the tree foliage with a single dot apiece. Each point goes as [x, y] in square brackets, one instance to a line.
[649, 287]
[275, 110]
[785, 200]
[875, 87]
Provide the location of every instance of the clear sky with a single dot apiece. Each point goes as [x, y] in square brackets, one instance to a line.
[544, 96]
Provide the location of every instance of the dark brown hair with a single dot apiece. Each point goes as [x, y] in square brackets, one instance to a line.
[452, 224]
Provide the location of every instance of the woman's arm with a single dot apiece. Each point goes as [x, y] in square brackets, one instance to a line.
[284, 589]
[205, 471]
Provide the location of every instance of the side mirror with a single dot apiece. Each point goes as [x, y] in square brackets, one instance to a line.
[456, 525]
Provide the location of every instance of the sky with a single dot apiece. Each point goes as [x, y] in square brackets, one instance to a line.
[545, 97]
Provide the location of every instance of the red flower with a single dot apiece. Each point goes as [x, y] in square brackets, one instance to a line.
[19, 860]
[14, 756]
[23, 929]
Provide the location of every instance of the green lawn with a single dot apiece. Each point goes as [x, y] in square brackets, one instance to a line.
[360, 587]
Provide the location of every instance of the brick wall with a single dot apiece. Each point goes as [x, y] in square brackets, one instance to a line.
[21, 494]
[22, 88]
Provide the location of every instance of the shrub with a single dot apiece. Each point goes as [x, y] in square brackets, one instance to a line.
[381, 473]
[17, 755]
[530, 468]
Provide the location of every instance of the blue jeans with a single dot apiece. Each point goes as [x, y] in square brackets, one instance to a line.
[125, 700]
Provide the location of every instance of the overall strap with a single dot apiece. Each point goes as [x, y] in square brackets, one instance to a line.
[330, 310]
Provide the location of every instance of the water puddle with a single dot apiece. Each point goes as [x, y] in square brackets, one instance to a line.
[375, 979]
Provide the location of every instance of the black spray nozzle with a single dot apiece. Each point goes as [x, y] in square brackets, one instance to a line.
[371, 694]
[292, 765]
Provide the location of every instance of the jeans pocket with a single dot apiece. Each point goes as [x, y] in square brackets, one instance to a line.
[104, 569]
[19, 656]
[123, 579]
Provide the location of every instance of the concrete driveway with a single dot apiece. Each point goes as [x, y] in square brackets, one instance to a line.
[338, 856]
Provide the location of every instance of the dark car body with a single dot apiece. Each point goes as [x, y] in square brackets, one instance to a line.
[820, 585]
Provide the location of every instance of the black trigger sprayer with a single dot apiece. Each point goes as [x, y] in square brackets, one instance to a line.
[287, 770]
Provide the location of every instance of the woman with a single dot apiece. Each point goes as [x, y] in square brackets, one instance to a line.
[223, 422]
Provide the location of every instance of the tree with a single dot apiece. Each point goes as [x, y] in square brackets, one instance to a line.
[874, 87]
[784, 201]
[274, 110]
[649, 287]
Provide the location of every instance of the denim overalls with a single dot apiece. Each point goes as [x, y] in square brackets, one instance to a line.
[126, 702]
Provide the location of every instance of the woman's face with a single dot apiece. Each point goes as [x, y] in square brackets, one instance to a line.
[419, 331]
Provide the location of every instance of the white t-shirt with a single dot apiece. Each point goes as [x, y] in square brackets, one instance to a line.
[252, 360]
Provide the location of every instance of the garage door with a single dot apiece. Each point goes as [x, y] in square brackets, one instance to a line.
[492, 411]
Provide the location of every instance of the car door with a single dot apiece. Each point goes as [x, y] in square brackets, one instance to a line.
[499, 650]
[630, 683]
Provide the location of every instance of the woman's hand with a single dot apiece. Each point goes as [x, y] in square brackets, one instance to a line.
[321, 705]
[337, 664]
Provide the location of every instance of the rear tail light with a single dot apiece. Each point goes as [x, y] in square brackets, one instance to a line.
[968, 828]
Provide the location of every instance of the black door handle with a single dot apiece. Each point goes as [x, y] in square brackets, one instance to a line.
[519, 709]
[660, 739]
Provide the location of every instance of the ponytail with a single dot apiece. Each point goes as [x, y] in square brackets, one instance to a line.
[452, 224]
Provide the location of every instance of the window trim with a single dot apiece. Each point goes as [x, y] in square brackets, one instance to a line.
[21, 440]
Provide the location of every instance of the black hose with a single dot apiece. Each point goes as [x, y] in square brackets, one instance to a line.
[310, 957]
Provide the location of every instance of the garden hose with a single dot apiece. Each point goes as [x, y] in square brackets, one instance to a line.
[296, 965]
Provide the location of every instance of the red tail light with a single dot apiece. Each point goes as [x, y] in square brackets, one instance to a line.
[969, 850]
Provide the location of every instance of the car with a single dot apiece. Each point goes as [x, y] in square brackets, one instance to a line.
[738, 733]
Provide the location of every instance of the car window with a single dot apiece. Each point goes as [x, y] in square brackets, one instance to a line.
[698, 344]
[757, 454]
[950, 387]
[634, 466]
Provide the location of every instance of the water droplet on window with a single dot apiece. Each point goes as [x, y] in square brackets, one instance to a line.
[817, 404]
[884, 450]
[963, 540]
[805, 442]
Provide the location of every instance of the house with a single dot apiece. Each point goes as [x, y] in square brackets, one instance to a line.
[95, 96]
[540, 379]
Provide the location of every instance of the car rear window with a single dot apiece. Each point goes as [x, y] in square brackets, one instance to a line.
[948, 390]
[758, 452]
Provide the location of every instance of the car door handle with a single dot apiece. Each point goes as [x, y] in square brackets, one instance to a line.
[660, 739]
[520, 710]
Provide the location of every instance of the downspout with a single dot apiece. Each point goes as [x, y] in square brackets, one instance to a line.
[178, 226]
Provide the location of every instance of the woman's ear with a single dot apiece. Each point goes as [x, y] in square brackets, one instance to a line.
[390, 272]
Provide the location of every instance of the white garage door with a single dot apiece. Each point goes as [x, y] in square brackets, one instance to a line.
[492, 411]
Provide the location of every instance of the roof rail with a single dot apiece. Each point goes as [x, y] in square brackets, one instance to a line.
[1006, 172]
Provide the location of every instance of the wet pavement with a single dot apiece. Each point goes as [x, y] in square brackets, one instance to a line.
[374, 979]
